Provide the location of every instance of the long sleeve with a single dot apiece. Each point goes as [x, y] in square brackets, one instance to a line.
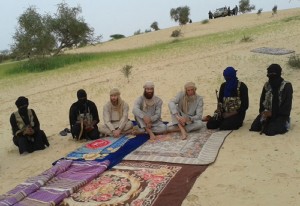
[287, 97]
[107, 117]
[199, 109]
[244, 98]
[173, 104]
[157, 113]
[136, 110]
[94, 111]
[124, 118]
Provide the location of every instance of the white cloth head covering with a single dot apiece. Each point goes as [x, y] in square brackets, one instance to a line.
[148, 84]
[114, 91]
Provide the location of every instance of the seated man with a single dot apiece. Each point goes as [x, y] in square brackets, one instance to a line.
[186, 110]
[275, 104]
[115, 115]
[26, 128]
[233, 100]
[147, 112]
[84, 118]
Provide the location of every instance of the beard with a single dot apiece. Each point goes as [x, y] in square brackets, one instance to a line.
[148, 95]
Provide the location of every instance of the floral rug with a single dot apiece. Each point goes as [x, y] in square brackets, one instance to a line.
[138, 183]
[199, 148]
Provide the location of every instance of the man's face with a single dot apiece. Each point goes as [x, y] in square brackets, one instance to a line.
[148, 93]
[114, 99]
[190, 91]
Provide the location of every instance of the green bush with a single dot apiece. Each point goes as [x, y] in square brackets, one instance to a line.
[205, 21]
[294, 61]
[176, 33]
[246, 39]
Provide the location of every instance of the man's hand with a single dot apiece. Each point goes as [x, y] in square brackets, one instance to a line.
[182, 120]
[28, 131]
[265, 114]
[228, 114]
[147, 121]
[116, 133]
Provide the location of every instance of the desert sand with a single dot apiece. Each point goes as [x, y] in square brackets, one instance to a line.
[251, 169]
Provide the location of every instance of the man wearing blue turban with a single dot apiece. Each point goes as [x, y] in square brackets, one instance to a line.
[233, 100]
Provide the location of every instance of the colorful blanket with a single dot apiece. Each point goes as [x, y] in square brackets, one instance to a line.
[138, 183]
[199, 148]
[55, 184]
[99, 148]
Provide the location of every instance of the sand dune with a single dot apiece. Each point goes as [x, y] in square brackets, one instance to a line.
[251, 169]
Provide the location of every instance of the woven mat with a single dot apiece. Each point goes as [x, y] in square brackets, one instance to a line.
[272, 51]
[200, 148]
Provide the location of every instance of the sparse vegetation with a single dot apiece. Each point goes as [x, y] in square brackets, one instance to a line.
[259, 11]
[244, 6]
[154, 26]
[137, 32]
[180, 14]
[294, 61]
[246, 39]
[117, 36]
[205, 21]
[126, 71]
[176, 33]
[274, 10]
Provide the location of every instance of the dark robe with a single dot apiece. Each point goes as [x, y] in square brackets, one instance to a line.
[236, 121]
[27, 143]
[79, 108]
[277, 123]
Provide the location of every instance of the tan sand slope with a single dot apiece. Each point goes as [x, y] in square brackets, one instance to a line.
[251, 169]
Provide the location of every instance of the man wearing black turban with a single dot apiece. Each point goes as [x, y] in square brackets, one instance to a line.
[26, 128]
[275, 104]
[84, 118]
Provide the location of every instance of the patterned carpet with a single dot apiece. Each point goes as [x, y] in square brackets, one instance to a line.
[200, 148]
[138, 183]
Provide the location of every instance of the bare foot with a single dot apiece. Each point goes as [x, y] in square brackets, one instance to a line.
[184, 136]
[152, 137]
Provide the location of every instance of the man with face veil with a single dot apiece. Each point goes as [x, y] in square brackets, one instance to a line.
[83, 116]
[186, 110]
[27, 134]
[147, 112]
[275, 104]
[115, 116]
[234, 101]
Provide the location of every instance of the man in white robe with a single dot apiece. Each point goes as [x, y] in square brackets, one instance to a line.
[115, 116]
[186, 110]
[147, 112]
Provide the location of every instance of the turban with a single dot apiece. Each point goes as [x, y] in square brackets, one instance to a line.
[114, 91]
[148, 84]
[81, 94]
[274, 69]
[190, 84]
[21, 101]
[229, 72]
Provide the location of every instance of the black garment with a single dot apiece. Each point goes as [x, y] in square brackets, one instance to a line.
[236, 121]
[78, 108]
[26, 143]
[277, 123]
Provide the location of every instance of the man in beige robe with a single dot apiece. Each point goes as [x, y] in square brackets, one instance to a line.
[147, 112]
[115, 116]
[186, 110]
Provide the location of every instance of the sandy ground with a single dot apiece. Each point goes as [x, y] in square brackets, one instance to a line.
[251, 169]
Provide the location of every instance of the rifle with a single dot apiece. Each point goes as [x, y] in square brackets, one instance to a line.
[218, 112]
